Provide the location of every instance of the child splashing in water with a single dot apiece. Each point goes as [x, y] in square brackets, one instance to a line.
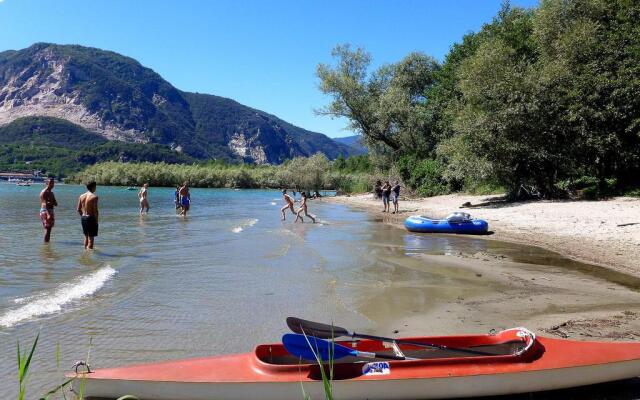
[303, 207]
[288, 204]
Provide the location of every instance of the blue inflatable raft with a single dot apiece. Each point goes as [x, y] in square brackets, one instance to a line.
[419, 223]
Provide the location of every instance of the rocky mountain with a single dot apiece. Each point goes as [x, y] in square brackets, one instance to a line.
[118, 99]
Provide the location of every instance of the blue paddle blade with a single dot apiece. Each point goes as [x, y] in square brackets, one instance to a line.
[307, 347]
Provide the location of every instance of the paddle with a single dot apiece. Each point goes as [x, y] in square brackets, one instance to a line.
[308, 347]
[325, 331]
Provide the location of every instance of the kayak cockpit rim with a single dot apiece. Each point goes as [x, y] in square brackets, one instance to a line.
[511, 345]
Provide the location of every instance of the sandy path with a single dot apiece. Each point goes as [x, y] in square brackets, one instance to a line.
[587, 231]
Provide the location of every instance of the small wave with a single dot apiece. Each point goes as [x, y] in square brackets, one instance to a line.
[246, 224]
[49, 303]
[273, 203]
[22, 300]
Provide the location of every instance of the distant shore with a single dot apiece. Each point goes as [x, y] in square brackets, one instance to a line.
[604, 233]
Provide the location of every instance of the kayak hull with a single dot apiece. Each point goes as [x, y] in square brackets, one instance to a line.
[552, 364]
[426, 388]
[422, 224]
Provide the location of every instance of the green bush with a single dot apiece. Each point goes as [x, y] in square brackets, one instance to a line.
[423, 176]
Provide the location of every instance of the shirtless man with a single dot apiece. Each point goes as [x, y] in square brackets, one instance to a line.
[185, 199]
[88, 210]
[142, 196]
[47, 202]
[303, 207]
[288, 204]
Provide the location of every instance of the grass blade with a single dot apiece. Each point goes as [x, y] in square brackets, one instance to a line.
[56, 389]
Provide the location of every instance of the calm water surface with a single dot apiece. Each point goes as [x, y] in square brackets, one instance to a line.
[221, 280]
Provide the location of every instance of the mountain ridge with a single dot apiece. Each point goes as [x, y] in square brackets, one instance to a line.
[120, 99]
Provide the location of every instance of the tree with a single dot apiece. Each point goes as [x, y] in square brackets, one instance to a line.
[387, 106]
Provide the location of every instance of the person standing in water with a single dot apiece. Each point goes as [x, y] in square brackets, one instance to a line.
[303, 207]
[288, 204]
[395, 196]
[176, 198]
[88, 210]
[47, 203]
[142, 196]
[185, 199]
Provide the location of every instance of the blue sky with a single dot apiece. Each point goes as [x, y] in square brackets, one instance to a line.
[260, 53]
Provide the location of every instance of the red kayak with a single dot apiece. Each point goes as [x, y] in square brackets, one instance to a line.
[509, 362]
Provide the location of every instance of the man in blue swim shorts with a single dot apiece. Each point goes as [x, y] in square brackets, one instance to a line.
[185, 199]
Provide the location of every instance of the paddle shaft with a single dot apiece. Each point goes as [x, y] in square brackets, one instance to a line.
[366, 354]
[420, 344]
[326, 331]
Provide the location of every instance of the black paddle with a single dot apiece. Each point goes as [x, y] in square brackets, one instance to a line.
[325, 331]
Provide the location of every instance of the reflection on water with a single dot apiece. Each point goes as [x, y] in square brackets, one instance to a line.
[445, 245]
[161, 286]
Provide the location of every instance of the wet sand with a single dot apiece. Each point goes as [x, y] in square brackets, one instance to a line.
[605, 233]
[564, 301]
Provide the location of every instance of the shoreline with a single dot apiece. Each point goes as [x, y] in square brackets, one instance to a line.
[549, 301]
[584, 231]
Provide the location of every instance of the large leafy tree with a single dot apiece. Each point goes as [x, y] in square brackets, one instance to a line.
[590, 61]
[386, 106]
[549, 95]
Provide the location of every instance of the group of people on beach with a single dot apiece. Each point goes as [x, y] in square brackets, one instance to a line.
[289, 204]
[87, 209]
[389, 194]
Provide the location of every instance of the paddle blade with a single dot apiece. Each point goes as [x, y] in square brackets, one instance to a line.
[307, 347]
[316, 329]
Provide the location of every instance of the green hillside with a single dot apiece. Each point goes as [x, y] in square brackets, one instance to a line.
[58, 147]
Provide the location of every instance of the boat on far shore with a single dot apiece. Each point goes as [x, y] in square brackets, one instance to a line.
[509, 362]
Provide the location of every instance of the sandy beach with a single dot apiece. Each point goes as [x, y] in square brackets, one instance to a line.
[604, 234]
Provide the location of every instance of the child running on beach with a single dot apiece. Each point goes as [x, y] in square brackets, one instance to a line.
[303, 207]
[288, 204]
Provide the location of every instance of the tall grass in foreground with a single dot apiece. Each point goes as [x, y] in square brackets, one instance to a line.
[326, 379]
[24, 362]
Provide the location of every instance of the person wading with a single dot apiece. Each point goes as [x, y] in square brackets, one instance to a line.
[47, 203]
[88, 210]
[288, 204]
[303, 207]
[142, 196]
[185, 199]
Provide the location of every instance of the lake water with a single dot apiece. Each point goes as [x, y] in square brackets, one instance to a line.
[160, 286]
